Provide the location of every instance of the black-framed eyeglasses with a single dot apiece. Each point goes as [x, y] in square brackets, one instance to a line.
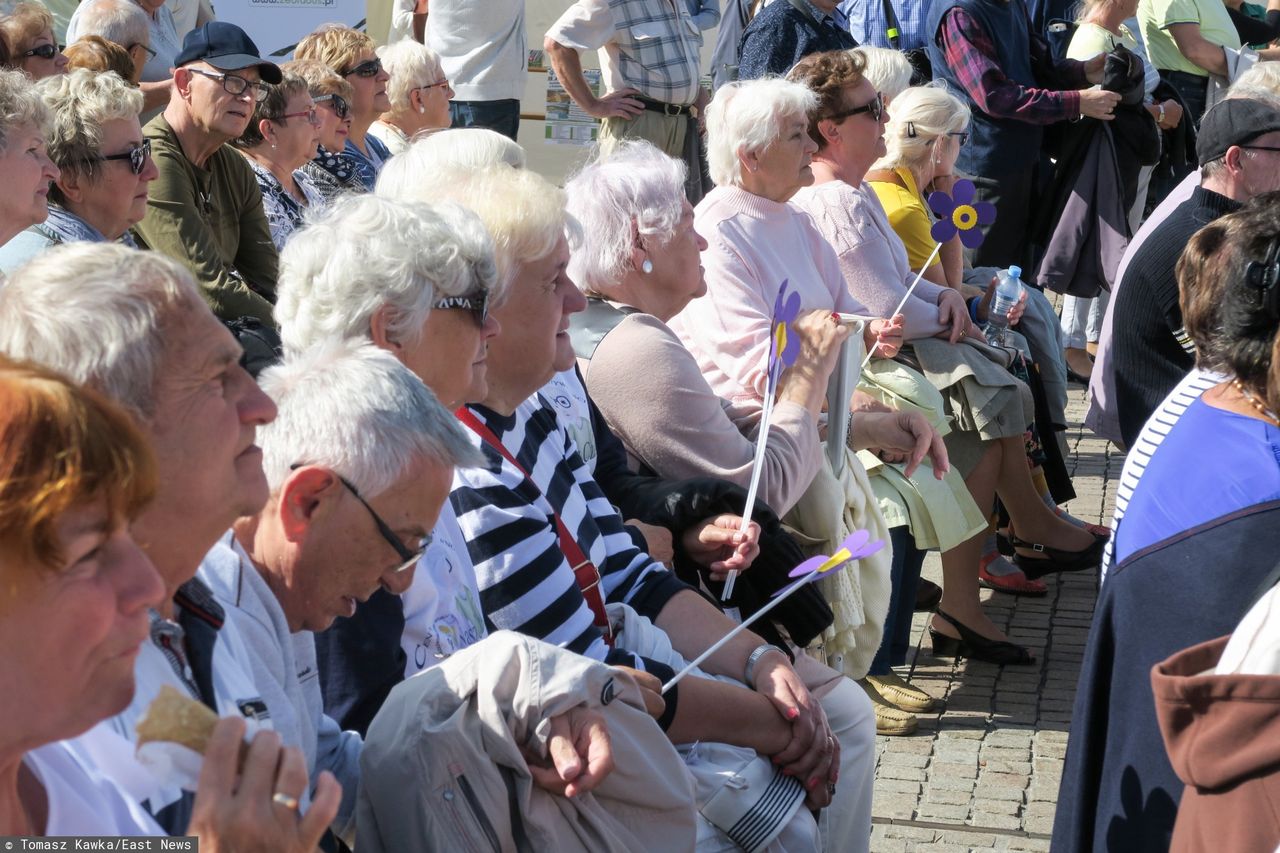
[234, 85]
[309, 115]
[409, 558]
[137, 156]
[151, 54]
[476, 303]
[44, 51]
[339, 104]
[962, 135]
[875, 107]
[368, 68]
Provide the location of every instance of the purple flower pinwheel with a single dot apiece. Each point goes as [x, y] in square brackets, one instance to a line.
[854, 547]
[959, 214]
[783, 345]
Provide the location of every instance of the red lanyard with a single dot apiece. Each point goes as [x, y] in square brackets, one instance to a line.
[584, 571]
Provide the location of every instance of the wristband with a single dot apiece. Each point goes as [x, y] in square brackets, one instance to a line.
[973, 308]
[760, 651]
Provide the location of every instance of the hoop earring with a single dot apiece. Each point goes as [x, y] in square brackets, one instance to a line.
[647, 266]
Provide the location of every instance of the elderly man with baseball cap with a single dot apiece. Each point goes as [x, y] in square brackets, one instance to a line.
[1239, 151]
[205, 208]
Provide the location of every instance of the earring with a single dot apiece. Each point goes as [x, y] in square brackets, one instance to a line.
[422, 109]
[647, 266]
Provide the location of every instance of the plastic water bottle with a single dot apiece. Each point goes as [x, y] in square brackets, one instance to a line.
[1008, 292]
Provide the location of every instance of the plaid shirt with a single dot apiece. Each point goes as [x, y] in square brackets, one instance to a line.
[867, 23]
[971, 54]
[649, 45]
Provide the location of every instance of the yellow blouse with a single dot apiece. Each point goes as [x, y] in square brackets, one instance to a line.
[908, 215]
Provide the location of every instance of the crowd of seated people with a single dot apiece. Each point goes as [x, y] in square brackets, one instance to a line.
[424, 476]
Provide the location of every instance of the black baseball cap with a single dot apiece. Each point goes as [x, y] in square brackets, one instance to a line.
[227, 48]
[1235, 121]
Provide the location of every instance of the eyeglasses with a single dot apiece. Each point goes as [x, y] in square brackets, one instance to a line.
[151, 54]
[476, 303]
[44, 51]
[440, 84]
[410, 558]
[339, 104]
[310, 116]
[137, 156]
[368, 68]
[1259, 147]
[234, 85]
[962, 135]
[876, 108]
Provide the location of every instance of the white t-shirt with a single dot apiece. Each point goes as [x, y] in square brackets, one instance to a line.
[482, 47]
[81, 800]
[569, 399]
[442, 612]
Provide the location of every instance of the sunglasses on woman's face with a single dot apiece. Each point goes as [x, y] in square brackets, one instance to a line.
[874, 107]
[368, 68]
[137, 156]
[477, 304]
[44, 51]
[337, 103]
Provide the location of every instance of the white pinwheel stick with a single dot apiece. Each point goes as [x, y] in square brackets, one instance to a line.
[766, 413]
[905, 297]
[719, 644]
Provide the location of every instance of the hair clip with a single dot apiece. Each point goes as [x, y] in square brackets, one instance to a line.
[911, 130]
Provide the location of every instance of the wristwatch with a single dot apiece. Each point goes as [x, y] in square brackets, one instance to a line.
[760, 651]
[1160, 118]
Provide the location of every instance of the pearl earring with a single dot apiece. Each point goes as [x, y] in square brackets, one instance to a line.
[422, 109]
[647, 266]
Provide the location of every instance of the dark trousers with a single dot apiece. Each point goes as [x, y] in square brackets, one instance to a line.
[502, 116]
[1005, 242]
[904, 579]
[1194, 91]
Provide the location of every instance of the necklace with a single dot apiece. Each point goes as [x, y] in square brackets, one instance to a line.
[1256, 403]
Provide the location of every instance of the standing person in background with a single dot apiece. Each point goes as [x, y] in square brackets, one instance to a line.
[189, 14]
[650, 66]
[986, 49]
[483, 53]
[782, 34]
[1185, 40]
[143, 27]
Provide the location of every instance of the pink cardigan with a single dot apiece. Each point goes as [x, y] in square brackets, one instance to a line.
[753, 244]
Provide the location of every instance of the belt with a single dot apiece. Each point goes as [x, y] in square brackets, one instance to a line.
[667, 109]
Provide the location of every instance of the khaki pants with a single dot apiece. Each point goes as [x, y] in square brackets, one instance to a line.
[664, 131]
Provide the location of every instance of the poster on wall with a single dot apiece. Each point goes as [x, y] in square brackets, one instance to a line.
[567, 124]
[276, 26]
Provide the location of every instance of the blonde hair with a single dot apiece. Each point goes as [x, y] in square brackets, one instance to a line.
[94, 53]
[335, 45]
[82, 101]
[21, 27]
[888, 70]
[920, 116]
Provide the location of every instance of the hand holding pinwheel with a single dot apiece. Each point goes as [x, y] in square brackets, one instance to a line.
[855, 546]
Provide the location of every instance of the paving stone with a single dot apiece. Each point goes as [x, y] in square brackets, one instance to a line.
[995, 821]
[942, 811]
[947, 796]
[983, 803]
[897, 786]
[958, 770]
[911, 833]
[896, 806]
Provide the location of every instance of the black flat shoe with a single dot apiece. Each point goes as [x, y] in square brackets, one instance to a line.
[1072, 376]
[1057, 559]
[974, 646]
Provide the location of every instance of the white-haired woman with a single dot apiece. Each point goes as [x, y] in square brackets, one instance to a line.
[105, 165]
[279, 140]
[888, 70]
[25, 168]
[418, 91]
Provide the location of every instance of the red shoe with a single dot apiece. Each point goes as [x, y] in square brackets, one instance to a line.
[1015, 583]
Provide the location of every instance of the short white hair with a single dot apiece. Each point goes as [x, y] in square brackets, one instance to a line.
[888, 70]
[748, 117]
[120, 21]
[920, 117]
[411, 65]
[97, 313]
[635, 189]
[366, 252]
[355, 409]
[1261, 78]
[455, 150]
[523, 211]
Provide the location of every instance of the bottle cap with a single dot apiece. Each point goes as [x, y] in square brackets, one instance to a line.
[1015, 271]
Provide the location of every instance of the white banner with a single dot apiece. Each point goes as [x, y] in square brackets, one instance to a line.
[276, 26]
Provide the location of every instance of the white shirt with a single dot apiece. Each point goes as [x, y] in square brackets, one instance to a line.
[482, 47]
[442, 606]
[81, 800]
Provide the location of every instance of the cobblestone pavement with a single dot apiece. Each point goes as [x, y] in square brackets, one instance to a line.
[984, 775]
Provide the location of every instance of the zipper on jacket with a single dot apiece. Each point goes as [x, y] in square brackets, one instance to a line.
[473, 802]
